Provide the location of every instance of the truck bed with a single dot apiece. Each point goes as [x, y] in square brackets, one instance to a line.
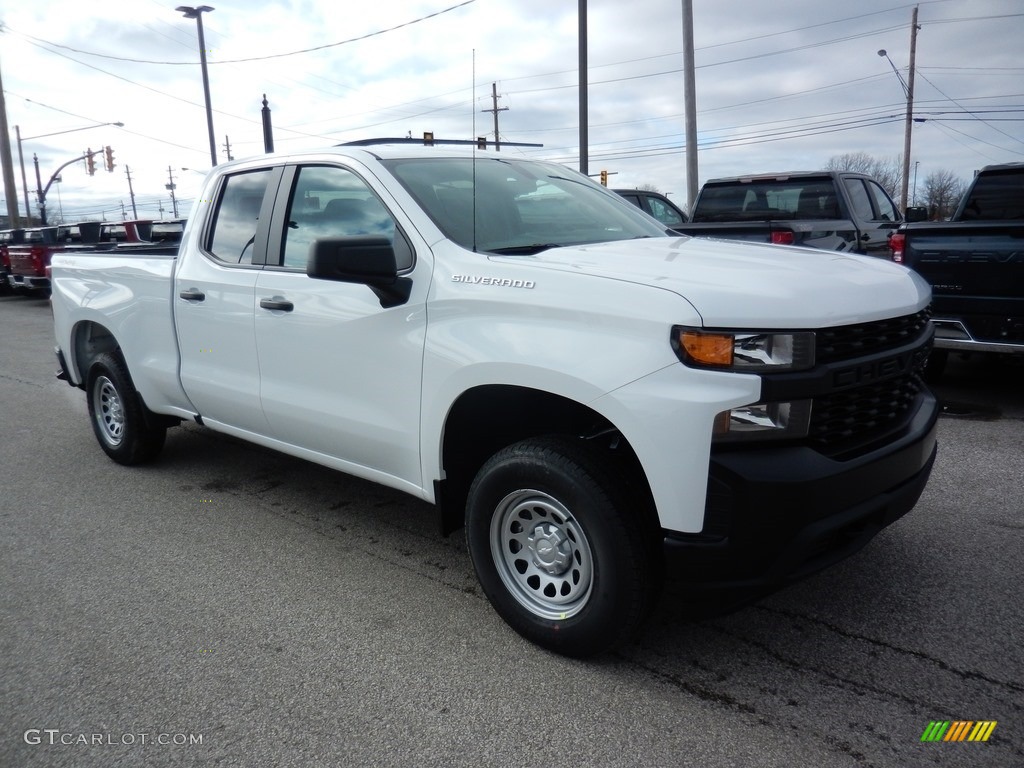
[131, 294]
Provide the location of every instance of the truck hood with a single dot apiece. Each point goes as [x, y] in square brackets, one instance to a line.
[735, 284]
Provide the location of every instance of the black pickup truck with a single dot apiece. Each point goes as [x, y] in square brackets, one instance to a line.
[832, 210]
[975, 265]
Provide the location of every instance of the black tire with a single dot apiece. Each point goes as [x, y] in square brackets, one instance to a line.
[557, 549]
[117, 414]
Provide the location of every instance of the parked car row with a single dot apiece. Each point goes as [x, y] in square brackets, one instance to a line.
[25, 253]
[973, 262]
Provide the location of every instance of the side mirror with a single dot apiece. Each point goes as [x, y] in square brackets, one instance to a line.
[916, 213]
[365, 259]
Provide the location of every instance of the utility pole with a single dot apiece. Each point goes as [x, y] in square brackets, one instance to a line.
[690, 106]
[908, 128]
[227, 147]
[10, 187]
[131, 192]
[171, 187]
[24, 181]
[584, 130]
[495, 109]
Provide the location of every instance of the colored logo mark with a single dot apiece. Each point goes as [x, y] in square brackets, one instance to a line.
[958, 730]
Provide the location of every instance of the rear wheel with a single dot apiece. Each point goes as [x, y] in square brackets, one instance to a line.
[118, 416]
[560, 549]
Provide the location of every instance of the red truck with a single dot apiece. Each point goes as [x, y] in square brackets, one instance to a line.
[26, 257]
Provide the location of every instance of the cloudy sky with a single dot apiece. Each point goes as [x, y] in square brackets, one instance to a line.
[780, 85]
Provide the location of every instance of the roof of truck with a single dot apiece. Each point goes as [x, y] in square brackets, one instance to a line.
[783, 176]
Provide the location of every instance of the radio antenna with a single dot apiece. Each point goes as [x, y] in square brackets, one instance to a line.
[472, 107]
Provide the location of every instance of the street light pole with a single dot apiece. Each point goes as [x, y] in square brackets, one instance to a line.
[197, 14]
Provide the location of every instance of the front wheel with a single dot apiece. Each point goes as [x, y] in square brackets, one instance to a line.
[560, 547]
[117, 414]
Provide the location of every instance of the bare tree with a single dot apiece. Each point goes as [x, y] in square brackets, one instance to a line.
[648, 188]
[888, 173]
[942, 192]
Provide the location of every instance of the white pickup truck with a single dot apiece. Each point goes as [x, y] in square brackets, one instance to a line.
[602, 404]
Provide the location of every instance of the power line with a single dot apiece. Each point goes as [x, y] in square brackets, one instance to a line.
[254, 58]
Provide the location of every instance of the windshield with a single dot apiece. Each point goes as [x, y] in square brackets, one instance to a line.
[518, 206]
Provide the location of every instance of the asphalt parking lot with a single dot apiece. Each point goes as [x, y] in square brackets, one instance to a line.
[230, 606]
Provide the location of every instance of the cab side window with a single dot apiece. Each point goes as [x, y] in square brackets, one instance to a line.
[885, 207]
[233, 231]
[329, 201]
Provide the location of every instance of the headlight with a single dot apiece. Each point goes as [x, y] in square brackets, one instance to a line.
[763, 421]
[744, 351]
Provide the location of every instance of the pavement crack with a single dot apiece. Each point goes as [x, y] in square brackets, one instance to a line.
[964, 674]
[703, 693]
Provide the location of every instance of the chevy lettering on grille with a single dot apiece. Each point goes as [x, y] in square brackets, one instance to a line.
[876, 370]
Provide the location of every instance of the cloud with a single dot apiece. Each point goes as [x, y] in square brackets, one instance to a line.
[779, 86]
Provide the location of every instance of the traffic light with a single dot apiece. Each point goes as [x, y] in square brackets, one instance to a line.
[90, 164]
[110, 159]
[604, 178]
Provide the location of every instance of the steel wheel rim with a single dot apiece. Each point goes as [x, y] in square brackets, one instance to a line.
[109, 411]
[542, 554]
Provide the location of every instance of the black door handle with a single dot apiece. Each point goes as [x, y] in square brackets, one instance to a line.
[280, 304]
[192, 295]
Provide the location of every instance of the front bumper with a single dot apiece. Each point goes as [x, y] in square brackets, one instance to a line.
[955, 334]
[778, 514]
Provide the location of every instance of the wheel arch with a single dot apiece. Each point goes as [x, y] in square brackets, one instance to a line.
[90, 339]
[487, 418]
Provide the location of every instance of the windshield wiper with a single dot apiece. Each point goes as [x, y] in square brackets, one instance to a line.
[525, 250]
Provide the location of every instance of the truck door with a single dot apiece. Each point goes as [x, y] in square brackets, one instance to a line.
[214, 303]
[874, 214]
[340, 374]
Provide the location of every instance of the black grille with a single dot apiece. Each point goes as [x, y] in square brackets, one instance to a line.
[851, 341]
[850, 419]
[855, 416]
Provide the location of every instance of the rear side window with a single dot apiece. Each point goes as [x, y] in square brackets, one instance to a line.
[233, 231]
[859, 199]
